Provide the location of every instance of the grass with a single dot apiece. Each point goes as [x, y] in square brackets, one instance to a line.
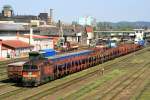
[93, 85]
[145, 95]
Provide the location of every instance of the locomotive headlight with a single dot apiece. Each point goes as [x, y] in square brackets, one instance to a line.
[29, 74]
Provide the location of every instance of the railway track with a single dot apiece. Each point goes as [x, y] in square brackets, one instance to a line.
[131, 87]
[3, 77]
[144, 93]
[62, 86]
[3, 73]
[9, 89]
[12, 92]
[117, 89]
[102, 92]
[3, 64]
[3, 67]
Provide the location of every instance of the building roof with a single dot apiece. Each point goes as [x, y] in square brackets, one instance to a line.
[24, 18]
[19, 18]
[79, 29]
[4, 26]
[54, 31]
[89, 29]
[15, 44]
[7, 7]
[36, 36]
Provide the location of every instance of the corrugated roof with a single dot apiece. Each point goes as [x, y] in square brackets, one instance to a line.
[36, 36]
[11, 27]
[55, 31]
[15, 44]
[89, 29]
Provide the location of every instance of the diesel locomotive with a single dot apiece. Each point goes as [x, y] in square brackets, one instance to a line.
[42, 69]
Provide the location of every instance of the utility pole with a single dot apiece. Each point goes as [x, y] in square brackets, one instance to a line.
[31, 36]
[61, 35]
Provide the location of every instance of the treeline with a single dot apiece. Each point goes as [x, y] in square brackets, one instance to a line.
[127, 26]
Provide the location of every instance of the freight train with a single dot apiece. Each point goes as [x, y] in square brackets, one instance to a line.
[44, 69]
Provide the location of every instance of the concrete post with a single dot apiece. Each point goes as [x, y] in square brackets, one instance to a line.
[31, 36]
[0, 48]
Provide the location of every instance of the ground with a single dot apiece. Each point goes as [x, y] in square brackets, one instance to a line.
[124, 78]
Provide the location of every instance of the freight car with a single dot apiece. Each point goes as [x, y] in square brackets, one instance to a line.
[36, 72]
[15, 71]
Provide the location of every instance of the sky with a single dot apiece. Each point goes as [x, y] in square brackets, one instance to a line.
[71, 10]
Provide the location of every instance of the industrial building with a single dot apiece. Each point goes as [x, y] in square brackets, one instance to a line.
[7, 14]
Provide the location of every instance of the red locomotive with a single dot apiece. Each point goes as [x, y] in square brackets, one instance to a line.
[44, 69]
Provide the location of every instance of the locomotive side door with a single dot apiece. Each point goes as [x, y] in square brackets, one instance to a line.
[42, 72]
[47, 71]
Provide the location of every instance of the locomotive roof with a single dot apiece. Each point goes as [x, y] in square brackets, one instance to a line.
[69, 55]
[34, 62]
[58, 57]
[17, 63]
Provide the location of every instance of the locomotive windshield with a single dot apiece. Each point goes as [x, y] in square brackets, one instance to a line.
[35, 55]
[30, 67]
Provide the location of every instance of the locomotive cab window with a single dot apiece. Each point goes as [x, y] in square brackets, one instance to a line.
[34, 67]
[27, 67]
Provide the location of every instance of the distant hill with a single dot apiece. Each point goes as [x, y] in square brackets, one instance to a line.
[138, 24]
[124, 25]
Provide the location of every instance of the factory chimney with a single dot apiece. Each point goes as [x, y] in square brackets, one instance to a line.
[50, 17]
[51, 14]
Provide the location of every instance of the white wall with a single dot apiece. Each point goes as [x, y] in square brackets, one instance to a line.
[7, 22]
[4, 53]
[72, 39]
[90, 35]
[15, 53]
[43, 44]
[8, 37]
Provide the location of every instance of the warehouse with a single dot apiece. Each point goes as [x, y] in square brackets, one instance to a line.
[14, 48]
